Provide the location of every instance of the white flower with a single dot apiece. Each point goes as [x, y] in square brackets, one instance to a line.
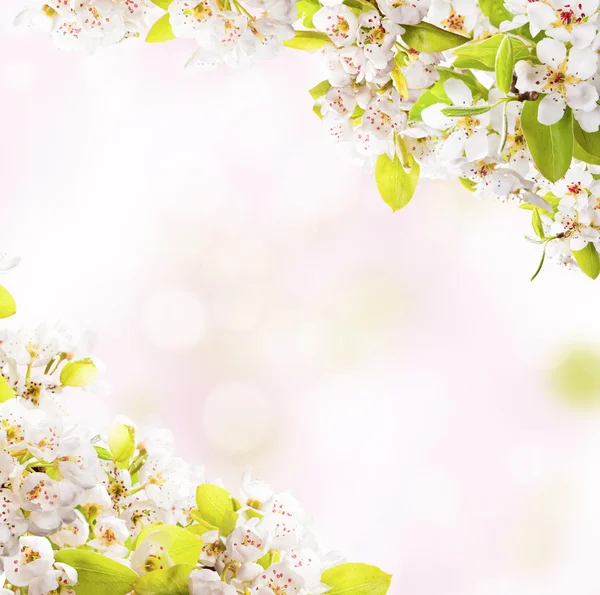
[339, 103]
[247, 543]
[278, 578]
[383, 117]
[376, 38]
[404, 12]
[338, 22]
[8, 262]
[32, 562]
[151, 554]
[458, 16]
[188, 17]
[208, 582]
[111, 533]
[563, 80]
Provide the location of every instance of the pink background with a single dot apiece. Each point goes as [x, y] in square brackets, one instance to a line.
[250, 289]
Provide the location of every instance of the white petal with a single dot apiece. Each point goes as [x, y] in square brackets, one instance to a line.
[582, 63]
[432, 116]
[540, 17]
[582, 96]
[551, 52]
[529, 77]
[552, 108]
[477, 146]
[589, 121]
[458, 92]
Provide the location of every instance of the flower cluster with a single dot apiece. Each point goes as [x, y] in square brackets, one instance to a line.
[82, 512]
[501, 94]
[227, 32]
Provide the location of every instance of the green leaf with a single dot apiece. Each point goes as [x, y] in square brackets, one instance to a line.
[481, 55]
[307, 40]
[103, 453]
[359, 5]
[79, 374]
[182, 545]
[425, 37]
[589, 141]
[396, 184]
[468, 184]
[551, 146]
[216, 507]
[437, 94]
[580, 153]
[320, 89]
[505, 65]
[8, 307]
[478, 90]
[399, 80]
[161, 30]
[306, 10]
[537, 225]
[495, 11]
[6, 390]
[459, 112]
[589, 260]
[121, 441]
[356, 579]
[173, 581]
[97, 574]
[164, 4]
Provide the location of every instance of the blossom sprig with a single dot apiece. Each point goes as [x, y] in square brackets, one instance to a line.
[501, 94]
[84, 512]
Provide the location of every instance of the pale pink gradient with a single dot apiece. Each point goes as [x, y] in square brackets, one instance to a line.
[389, 369]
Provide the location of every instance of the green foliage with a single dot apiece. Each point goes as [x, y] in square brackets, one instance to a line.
[551, 146]
[425, 37]
[121, 441]
[589, 260]
[172, 581]
[468, 184]
[161, 30]
[306, 10]
[460, 112]
[437, 94]
[307, 40]
[495, 11]
[8, 307]
[481, 55]
[103, 453]
[6, 390]
[505, 65]
[182, 545]
[588, 141]
[79, 373]
[216, 507]
[580, 153]
[356, 579]
[536, 223]
[468, 78]
[97, 574]
[396, 182]
[320, 89]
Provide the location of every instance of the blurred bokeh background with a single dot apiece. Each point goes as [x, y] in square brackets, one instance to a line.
[435, 411]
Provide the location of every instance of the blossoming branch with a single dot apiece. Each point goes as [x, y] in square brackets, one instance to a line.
[91, 514]
[501, 94]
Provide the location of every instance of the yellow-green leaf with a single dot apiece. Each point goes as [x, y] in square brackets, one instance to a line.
[216, 507]
[182, 545]
[505, 65]
[121, 441]
[173, 581]
[6, 390]
[80, 373]
[425, 37]
[8, 307]
[395, 183]
[589, 260]
[356, 579]
[551, 146]
[307, 40]
[97, 574]
[161, 30]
